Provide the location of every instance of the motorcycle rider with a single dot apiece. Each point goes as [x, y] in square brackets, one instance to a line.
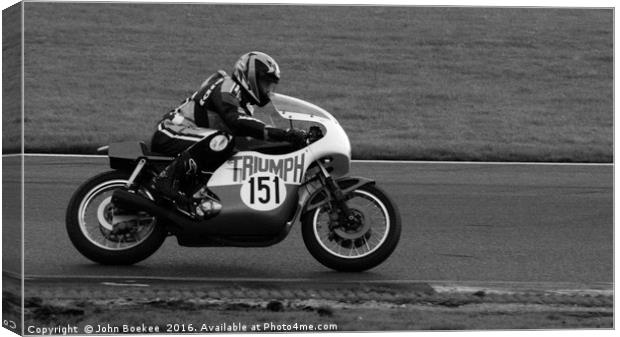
[200, 132]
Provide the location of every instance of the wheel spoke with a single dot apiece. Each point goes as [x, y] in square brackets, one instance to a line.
[376, 240]
[366, 243]
[136, 236]
[375, 218]
[355, 248]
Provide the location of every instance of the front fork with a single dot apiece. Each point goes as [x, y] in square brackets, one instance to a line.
[335, 190]
[342, 214]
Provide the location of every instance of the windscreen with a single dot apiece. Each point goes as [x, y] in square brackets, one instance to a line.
[297, 109]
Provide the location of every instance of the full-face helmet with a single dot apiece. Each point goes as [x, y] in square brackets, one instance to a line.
[258, 74]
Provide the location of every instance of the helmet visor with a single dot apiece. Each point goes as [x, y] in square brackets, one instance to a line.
[268, 87]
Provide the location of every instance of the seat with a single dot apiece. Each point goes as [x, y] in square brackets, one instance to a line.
[153, 156]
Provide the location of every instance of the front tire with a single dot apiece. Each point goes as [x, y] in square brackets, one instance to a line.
[360, 247]
[91, 229]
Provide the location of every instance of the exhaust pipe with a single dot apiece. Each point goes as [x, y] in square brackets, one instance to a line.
[133, 202]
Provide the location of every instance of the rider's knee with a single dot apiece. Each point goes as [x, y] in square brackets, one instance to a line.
[220, 143]
[215, 149]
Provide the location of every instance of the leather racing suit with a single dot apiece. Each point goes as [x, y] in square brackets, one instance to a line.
[200, 132]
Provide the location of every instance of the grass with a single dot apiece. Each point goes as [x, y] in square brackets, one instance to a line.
[204, 320]
[406, 82]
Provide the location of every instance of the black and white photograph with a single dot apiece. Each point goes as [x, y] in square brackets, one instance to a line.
[227, 167]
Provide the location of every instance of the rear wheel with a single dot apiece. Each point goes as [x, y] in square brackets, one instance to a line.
[106, 234]
[362, 240]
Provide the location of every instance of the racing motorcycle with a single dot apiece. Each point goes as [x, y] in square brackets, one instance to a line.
[252, 200]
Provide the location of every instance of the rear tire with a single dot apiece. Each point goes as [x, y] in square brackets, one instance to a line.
[360, 250]
[89, 235]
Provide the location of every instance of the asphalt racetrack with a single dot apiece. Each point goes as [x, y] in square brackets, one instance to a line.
[461, 223]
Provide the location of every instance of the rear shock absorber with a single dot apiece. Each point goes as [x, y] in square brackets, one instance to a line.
[136, 172]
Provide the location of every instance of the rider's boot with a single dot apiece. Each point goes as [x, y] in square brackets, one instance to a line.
[177, 178]
[207, 204]
[168, 182]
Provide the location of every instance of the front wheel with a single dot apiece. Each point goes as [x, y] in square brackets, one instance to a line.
[106, 234]
[366, 239]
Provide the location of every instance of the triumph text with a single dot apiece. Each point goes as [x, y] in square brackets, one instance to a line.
[290, 170]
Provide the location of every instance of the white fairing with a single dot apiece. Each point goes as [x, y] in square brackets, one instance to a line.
[291, 167]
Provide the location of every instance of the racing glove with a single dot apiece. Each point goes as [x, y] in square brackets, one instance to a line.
[296, 137]
[293, 136]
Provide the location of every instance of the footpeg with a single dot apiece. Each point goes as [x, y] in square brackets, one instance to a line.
[208, 208]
